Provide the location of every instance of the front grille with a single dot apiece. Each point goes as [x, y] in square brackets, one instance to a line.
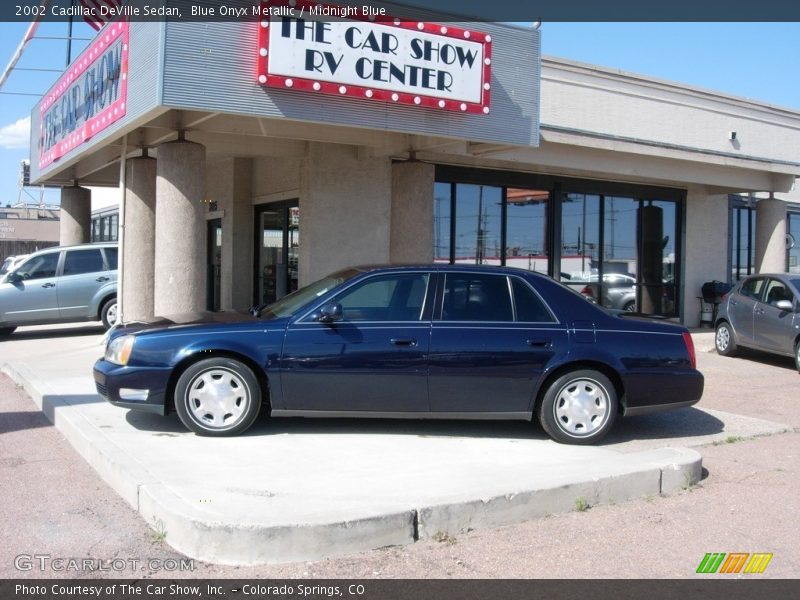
[101, 389]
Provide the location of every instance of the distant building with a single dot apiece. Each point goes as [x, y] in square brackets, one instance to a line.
[105, 224]
[27, 228]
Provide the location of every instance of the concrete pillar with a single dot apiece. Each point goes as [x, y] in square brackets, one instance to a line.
[180, 248]
[705, 248]
[76, 216]
[140, 238]
[770, 236]
[412, 213]
[229, 184]
[345, 208]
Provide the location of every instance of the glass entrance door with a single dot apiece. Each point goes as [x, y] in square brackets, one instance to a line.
[277, 240]
[213, 264]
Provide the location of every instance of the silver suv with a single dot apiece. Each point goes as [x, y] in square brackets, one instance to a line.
[61, 285]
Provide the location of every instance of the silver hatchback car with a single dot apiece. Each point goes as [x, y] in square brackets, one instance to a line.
[761, 312]
[61, 285]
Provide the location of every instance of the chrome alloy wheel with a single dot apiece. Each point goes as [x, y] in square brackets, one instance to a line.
[218, 399]
[581, 407]
[111, 315]
[723, 338]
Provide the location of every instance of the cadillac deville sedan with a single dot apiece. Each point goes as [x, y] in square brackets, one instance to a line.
[431, 341]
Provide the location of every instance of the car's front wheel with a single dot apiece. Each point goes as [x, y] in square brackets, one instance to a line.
[724, 339]
[218, 397]
[108, 314]
[579, 407]
[797, 356]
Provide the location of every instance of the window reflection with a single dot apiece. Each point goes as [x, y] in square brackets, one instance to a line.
[526, 229]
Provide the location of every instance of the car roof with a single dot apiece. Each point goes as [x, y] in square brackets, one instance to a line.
[450, 267]
[87, 245]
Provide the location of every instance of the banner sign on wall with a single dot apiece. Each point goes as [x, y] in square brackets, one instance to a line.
[361, 52]
[89, 96]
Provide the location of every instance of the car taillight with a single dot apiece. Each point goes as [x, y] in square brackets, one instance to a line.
[687, 339]
[588, 291]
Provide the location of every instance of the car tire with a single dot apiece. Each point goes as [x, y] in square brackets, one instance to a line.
[629, 306]
[108, 314]
[6, 331]
[579, 407]
[235, 397]
[797, 356]
[725, 340]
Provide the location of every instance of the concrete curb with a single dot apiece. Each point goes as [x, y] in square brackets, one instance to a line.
[202, 536]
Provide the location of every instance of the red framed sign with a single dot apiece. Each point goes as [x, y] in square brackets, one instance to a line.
[89, 96]
[359, 52]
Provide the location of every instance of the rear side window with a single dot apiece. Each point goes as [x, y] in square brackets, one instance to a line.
[530, 307]
[79, 262]
[752, 288]
[476, 297]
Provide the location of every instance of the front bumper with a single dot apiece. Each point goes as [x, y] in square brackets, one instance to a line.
[138, 388]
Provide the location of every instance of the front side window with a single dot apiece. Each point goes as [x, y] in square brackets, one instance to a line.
[752, 288]
[476, 297]
[79, 262]
[398, 297]
[39, 267]
[777, 291]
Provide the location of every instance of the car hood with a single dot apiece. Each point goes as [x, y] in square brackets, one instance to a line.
[191, 319]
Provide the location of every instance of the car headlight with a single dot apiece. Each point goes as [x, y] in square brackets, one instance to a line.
[118, 350]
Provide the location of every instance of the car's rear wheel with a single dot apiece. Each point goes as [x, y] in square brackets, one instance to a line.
[6, 331]
[218, 397]
[579, 407]
[108, 314]
[724, 339]
[630, 306]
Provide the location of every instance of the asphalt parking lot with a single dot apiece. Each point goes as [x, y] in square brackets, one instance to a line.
[739, 474]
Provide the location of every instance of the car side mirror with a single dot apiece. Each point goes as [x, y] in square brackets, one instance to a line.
[784, 305]
[13, 277]
[330, 313]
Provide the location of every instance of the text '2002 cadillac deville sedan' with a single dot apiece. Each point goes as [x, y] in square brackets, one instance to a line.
[441, 341]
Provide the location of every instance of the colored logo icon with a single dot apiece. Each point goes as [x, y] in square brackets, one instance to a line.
[734, 562]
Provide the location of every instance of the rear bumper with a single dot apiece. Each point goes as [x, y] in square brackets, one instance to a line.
[655, 392]
[137, 388]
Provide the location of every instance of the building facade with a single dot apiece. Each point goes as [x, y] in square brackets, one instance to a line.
[27, 228]
[247, 175]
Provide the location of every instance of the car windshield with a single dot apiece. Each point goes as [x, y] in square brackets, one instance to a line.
[293, 302]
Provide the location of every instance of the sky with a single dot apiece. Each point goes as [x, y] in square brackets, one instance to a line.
[760, 61]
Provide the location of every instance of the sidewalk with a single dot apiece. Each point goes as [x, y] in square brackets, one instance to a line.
[296, 489]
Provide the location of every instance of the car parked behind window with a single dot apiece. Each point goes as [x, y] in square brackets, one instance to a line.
[761, 312]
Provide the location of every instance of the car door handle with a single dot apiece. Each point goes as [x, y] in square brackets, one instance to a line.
[48, 285]
[403, 341]
[540, 342]
[101, 279]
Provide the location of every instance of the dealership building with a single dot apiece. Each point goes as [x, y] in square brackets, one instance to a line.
[257, 156]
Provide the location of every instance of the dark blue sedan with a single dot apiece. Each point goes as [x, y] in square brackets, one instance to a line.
[435, 341]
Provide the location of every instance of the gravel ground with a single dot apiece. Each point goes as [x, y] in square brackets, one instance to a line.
[52, 502]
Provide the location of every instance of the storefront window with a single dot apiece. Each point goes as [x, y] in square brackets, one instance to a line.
[620, 250]
[442, 202]
[526, 229]
[793, 246]
[743, 240]
[478, 219]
